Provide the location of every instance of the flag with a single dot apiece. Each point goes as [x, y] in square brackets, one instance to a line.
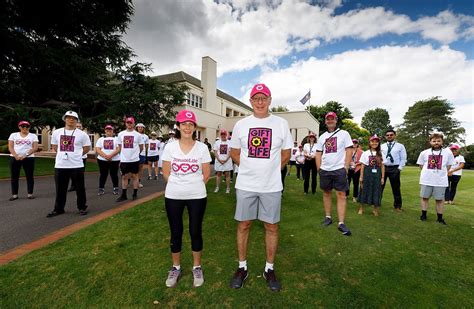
[306, 98]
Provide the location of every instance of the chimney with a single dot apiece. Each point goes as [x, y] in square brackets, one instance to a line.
[209, 84]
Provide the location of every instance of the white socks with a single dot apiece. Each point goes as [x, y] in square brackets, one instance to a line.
[197, 266]
[177, 267]
[243, 264]
[268, 266]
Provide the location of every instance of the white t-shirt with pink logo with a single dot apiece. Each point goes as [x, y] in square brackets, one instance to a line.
[22, 145]
[70, 145]
[261, 141]
[457, 161]
[294, 150]
[435, 162]
[130, 142]
[186, 180]
[153, 147]
[107, 145]
[333, 148]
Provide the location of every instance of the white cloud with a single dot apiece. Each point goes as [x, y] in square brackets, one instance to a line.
[390, 77]
[244, 34]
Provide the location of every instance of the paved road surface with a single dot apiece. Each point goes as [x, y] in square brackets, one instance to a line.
[23, 220]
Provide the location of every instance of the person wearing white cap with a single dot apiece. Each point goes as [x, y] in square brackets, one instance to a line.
[333, 157]
[223, 163]
[153, 155]
[140, 127]
[260, 145]
[70, 144]
[454, 174]
[22, 146]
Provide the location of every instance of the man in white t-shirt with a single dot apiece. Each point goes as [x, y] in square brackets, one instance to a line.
[131, 143]
[84, 160]
[70, 144]
[260, 146]
[333, 156]
[223, 162]
[434, 164]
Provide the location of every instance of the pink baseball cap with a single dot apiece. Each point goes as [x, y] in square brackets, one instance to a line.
[331, 114]
[454, 146]
[130, 119]
[311, 134]
[108, 127]
[260, 88]
[186, 115]
[23, 122]
[355, 140]
[223, 132]
[374, 137]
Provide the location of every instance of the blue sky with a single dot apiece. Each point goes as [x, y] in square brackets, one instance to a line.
[364, 54]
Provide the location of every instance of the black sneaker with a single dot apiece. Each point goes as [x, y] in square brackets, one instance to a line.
[156, 177]
[54, 213]
[134, 197]
[442, 222]
[149, 177]
[345, 231]
[83, 212]
[121, 199]
[327, 221]
[238, 279]
[423, 218]
[272, 281]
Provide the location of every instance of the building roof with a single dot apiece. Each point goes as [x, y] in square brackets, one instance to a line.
[181, 76]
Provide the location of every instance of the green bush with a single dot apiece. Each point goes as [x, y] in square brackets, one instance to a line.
[4, 149]
[3, 142]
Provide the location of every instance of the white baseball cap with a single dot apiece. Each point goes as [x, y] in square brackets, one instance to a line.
[171, 132]
[72, 114]
[140, 125]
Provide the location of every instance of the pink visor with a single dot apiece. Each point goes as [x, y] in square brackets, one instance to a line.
[108, 127]
[23, 123]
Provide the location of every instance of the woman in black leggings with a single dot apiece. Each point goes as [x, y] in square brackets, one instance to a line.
[108, 159]
[22, 146]
[186, 169]
[309, 168]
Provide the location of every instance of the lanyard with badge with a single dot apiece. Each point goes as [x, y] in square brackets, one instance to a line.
[435, 160]
[374, 162]
[66, 143]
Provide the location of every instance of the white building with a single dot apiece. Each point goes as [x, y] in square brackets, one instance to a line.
[216, 110]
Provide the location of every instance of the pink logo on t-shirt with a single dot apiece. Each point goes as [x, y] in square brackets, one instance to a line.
[294, 151]
[22, 142]
[435, 162]
[109, 144]
[184, 167]
[330, 145]
[128, 141]
[152, 146]
[260, 143]
[373, 161]
[223, 149]
[66, 143]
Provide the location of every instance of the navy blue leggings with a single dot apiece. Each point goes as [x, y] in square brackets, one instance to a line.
[175, 210]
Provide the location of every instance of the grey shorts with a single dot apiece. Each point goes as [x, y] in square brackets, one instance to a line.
[429, 191]
[262, 206]
[337, 180]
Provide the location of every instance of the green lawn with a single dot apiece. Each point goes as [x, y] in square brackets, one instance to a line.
[394, 260]
[43, 166]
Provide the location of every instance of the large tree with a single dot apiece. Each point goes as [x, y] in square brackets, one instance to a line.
[376, 121]
[332, 106]
[57, 55]
[425, 117]
[356, 132]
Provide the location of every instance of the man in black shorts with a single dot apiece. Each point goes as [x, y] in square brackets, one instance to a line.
[333, 156]
[130, 143]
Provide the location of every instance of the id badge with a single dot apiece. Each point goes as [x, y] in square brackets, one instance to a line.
[374, 170]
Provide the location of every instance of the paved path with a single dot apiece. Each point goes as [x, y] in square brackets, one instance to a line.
[23, 221]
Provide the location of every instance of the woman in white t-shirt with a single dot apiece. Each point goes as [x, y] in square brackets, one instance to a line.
[22, 146]
[108, 159]
[186, 169]
[223, 163]
[454, 175]
[299, 157]
[309, 167]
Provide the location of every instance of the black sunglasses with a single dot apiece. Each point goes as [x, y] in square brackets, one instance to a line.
[24, 126]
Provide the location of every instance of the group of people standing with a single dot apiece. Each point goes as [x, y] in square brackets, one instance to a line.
[261, 147]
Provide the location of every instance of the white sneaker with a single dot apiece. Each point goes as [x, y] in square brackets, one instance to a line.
[227, 191]
[173, 277]
[216, 190]
[198, 277]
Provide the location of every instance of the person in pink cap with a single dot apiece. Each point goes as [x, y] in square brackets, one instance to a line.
[186, 170]
[108, 159]
[371, 176]
[22, 146]
[309, 167]
[131, 144]
[454, 174]
[223, 163]
[354, 170]
[333, 157]
[260, 146]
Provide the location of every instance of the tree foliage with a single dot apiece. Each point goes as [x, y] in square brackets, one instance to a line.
[425, 117]
[279, 109]
[376, 121]
[356, 132]
[332, 106]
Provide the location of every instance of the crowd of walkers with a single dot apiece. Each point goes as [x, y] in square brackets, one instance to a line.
[259, 150]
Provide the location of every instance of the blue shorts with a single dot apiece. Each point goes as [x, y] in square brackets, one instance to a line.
[143, 160]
